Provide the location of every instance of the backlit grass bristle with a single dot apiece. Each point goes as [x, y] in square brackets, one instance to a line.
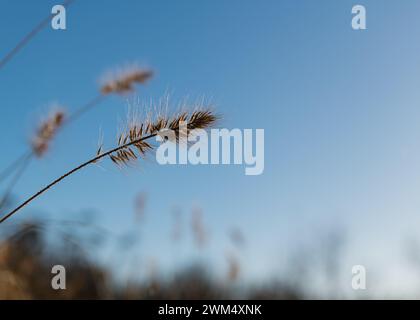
[46, 132]
[124, 82]
[132, 144]
[132, 141]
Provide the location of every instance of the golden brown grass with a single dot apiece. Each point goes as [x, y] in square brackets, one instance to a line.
[124, 82]
[121, 83]
[46, 132]
[134, 143]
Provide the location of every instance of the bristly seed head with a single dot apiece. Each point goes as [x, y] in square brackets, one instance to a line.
[135, 136]
[124, 82]
[46, 132]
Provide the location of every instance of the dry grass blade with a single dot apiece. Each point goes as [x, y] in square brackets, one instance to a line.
[135, 137]
[196, 120]
[19, 172]
[46, 132]
[125, 81]
[39, 146]
[48, 129]
[14, 165]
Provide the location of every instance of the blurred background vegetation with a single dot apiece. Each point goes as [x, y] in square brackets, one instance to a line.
[29, 250]
[340, 109]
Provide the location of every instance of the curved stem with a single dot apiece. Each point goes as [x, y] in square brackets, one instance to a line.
[24, 160]
[15, 179]
[93, 160]
[15, 164]
[76, 114]
[28, 155]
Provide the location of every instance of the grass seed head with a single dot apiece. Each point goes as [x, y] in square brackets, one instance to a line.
[46, 132]
[133, 140]
[124, 81]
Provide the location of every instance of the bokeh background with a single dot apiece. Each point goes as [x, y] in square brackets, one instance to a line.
[340, 110]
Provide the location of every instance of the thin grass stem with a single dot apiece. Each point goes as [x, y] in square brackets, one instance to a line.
[14, 165]
[25, 158]
[91, 161]
[15, 180]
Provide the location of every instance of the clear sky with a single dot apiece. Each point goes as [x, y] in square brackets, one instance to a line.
[340, 109]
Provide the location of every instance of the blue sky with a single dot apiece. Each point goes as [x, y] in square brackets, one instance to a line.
[339, 107]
